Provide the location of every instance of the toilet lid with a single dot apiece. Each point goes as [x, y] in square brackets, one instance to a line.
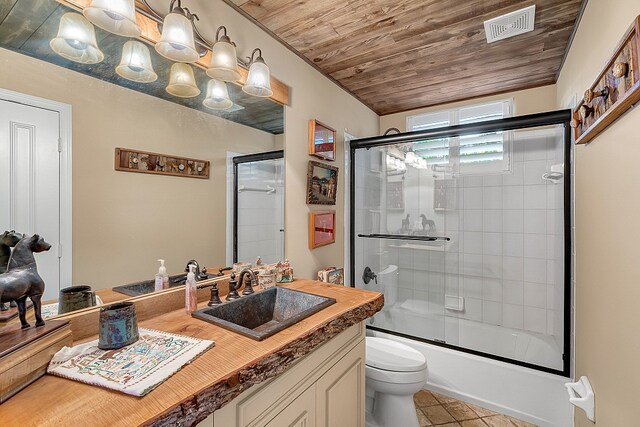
[391, 355]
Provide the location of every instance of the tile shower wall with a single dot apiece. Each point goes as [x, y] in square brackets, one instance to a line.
[260, 214]
[511, 240]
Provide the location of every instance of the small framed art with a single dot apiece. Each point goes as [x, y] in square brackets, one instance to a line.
[322, 141]
[322, 230]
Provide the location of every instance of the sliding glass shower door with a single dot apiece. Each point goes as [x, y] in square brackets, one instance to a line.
[465, 230]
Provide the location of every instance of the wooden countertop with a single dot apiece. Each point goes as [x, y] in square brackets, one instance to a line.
[207, 384]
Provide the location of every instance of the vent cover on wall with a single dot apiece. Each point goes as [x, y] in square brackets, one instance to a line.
[509, 25]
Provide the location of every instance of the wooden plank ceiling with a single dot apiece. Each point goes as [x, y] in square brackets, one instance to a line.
[397, 55]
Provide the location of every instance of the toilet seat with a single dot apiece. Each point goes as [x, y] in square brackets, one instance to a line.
[395, 377]
[388, 355]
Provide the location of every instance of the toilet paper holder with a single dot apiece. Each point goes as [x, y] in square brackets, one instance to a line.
[581, 395]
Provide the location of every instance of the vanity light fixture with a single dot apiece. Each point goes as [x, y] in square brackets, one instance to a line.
[182, 82]
[76, 40]
[116, 16]
[224, 60]
[135, 64]
[259, 79]
[217, 96]
[177, 41]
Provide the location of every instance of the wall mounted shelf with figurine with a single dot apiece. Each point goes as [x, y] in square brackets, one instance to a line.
[161, 164]
[616, 90]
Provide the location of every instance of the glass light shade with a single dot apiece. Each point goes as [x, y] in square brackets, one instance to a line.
[224, 63]
[410, 158]
[176, 42]
[217, 96]
[76, 40]
[182, 82]
[135, 64]
[115, 16]
[259, 80]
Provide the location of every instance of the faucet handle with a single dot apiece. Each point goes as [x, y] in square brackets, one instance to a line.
[233, 291]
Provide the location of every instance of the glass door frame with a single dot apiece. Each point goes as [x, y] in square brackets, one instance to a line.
[559, 117]
[237, 160]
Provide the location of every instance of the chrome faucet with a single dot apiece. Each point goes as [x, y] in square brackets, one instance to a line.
[253, 281]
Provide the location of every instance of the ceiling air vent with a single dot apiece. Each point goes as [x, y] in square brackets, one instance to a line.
[509, 25]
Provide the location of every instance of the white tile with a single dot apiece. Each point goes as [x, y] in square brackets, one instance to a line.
[512, 268]
[420, 280]
[492, 221]
[492, 312]
[436, 261]
[473, 198]
[405, 279]
[453, 284]
[492, 266]
[535, 246]
[513, 292]
[472, 242]
[513, 220]
[513, 244]
[472, 265]
[516, 177]
[492, 243]
[472, 181]
[535, 221]
[492, 180]
[405, 258]
[535, 196]
[452, 262]
[473, 309]
[551, 299]
[492, 198]
[421, 260]
[535, 270]
[436, 282]
[512, 316]
[550, 322]
[554, 221]
[535, 319]
[435, 302]
[533, 171]
[535, 295]
[513, 197]
[535, 149]
[491, 289]
[472, 220]
[472, 287]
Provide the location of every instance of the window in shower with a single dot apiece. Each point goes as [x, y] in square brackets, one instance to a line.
[258, 207]
[469, 258]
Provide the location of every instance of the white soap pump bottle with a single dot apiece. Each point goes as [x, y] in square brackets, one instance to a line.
[191, 291]
[161, 277]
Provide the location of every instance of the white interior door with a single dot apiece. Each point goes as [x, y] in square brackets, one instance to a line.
[30, 181]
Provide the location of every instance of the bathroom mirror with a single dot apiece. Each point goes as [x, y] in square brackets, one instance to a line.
[122, 223]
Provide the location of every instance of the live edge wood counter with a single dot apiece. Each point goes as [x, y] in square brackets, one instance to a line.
[212, 380]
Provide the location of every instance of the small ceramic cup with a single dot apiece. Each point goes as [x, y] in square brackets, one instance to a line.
[75, 298]
[118, 326]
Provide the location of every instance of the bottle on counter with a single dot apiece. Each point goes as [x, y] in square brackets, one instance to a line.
[191, 291]
[161, 277]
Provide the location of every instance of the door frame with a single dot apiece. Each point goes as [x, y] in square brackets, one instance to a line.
[64, 250]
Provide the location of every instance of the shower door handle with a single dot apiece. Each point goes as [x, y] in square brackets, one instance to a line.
[368, 275]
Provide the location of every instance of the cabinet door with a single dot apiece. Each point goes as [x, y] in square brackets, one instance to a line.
[340, 392]
[300, 413]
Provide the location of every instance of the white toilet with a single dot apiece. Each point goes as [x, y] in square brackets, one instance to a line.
[395, 372]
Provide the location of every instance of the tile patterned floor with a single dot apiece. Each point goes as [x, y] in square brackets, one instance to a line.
[437, 410]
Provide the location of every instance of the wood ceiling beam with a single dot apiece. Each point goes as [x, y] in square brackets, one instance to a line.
[151, 35]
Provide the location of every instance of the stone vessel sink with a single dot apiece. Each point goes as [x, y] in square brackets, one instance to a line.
[264, 313]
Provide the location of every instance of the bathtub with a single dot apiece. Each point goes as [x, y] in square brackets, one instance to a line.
[534, 396]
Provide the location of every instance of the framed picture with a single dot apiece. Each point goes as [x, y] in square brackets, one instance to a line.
[395, 195]
[322, 228]
[322, 184]
[322, 141]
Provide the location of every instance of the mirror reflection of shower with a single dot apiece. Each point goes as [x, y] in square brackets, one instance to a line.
[258, 207]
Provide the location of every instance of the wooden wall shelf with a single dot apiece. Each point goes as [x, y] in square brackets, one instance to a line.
[129, 160]
[616, 90]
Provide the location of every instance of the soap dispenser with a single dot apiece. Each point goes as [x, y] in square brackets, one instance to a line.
[162, 279]
[191, 291]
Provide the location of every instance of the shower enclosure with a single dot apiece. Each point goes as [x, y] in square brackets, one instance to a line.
[466, 231]
[258, 207]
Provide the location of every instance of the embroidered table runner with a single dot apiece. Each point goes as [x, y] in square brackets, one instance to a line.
[135, 369]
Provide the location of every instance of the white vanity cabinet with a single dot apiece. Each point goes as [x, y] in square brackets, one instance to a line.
[323, 389]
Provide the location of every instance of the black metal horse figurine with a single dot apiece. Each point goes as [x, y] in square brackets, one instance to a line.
[8, 239]
[22, 281]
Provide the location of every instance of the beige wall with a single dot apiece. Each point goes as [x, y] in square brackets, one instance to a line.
[607, 205]
[529, 101]
[313, 96]
[123, 222]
